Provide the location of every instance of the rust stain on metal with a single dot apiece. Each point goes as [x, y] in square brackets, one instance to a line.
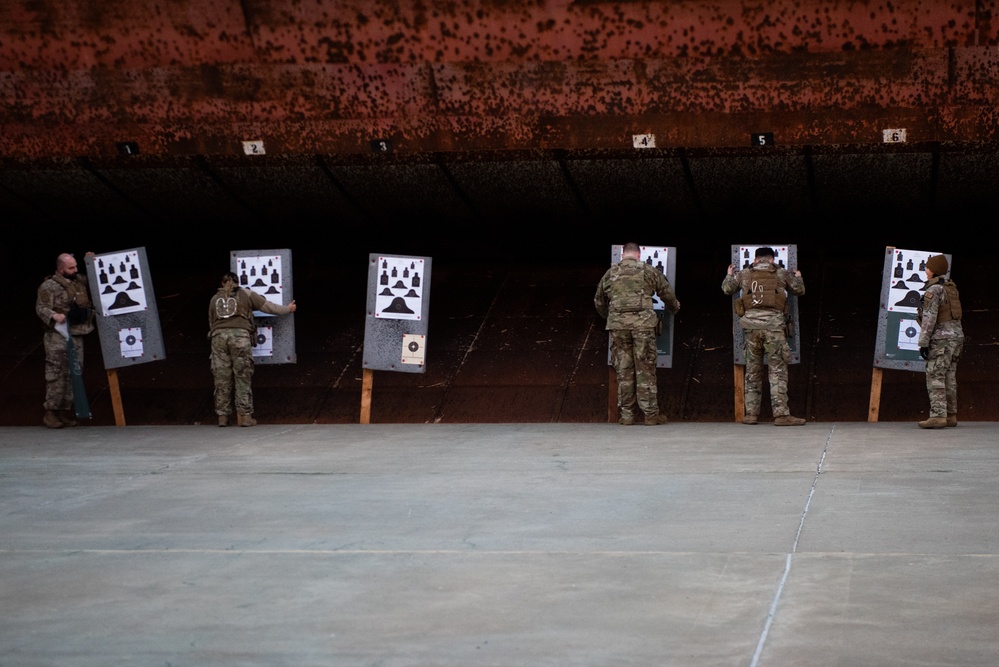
[515, 74]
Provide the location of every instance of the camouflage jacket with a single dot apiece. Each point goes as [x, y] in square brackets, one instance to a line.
[763, 318]
[71, 298]
[624, 295]
[931, 325]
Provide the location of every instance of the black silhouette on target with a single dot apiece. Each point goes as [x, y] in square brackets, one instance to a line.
[910, 300]
[122, 301]
[398, 305]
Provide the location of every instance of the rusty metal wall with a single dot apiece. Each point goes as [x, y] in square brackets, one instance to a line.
[308, 76]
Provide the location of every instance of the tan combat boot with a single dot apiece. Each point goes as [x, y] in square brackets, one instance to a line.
[750, 419]
[952, 419]
[223, 420]
[66, 417]
[655, 420]
[246, 420]
[51, 420]
[933, 422]
[788, 420]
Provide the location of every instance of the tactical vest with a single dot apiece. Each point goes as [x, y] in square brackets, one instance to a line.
[762, 289]
[953, 312]
[229, 304]
[226, 304]
[950, 309]
[80, 316]
[627, 290]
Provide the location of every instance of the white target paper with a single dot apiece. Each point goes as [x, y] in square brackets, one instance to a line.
[265, 342]
[399, 295]
[908, 283]
[263, 275]
[120, 282]
[413, 348]
[130, 342]
[656, 258]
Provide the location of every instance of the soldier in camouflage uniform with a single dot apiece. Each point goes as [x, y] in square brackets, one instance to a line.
[624, 299]
[941, 340]
[764, 290]
[232, 331]
[63, 298]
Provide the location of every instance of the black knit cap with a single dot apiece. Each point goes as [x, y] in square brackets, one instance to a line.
[937, 264]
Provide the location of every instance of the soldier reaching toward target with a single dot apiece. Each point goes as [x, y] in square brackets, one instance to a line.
[624, 299]
[231, 332]
[763, 290]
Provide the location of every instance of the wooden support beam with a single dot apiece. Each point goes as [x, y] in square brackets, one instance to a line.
[367, 379]
[119, 411]
[739, 373]
[875, 404]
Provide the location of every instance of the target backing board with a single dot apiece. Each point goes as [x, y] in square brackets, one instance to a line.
[397, 314]
[786, 256]
[268, 273]
[664, 259]
[903, 282]
[121, 289]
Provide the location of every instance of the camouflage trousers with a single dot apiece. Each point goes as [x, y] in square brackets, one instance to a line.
[58, 383]
[633, 355]
[773, 345]
[941, 376]
[232, 369]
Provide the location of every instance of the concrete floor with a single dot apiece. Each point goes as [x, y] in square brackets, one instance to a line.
[500, 544]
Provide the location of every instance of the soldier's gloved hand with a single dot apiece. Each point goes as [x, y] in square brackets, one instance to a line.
[924, 352]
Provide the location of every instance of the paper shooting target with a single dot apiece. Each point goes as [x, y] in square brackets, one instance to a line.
[413, 349]
[264, 342]
[130, 342]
